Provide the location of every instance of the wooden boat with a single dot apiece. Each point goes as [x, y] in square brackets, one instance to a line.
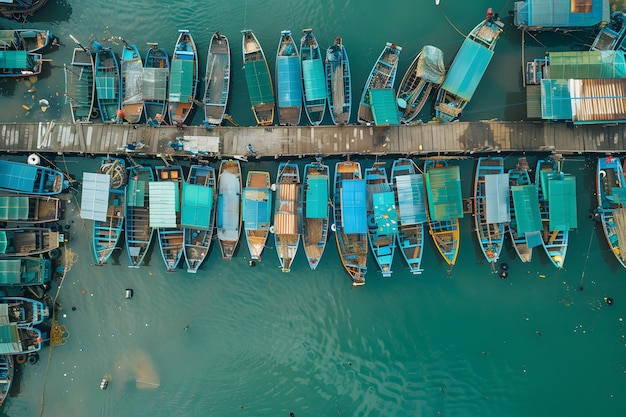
[315, 213]
[257, 211]
[198, 216]
[29, 209]
[80, 88]
[426, 73]
[611, 36]
[410, 196]
[229, 207]
[288, 80]
[258, 78]
[611, 195]
[217, 79]
[27, 241]
[23, 311]
[20, 64]
[183, 83]
[313, 78]
[382, 217]
[17, 177]
[338, 83]
[138, 231]
[381, 77]
[445, 207]
[107, 78]
[7, 369]
[287, 214]
[169, 227]
[18, 340]
[131, 68]
[491, 206]
[25, 271]
[467, 69]
[525, 225]
[156, 75]
[20, 9]
[350, 218]
[31, 40]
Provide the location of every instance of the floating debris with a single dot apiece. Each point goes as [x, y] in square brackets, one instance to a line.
[25, 107]
[44, 108]
[44, 102]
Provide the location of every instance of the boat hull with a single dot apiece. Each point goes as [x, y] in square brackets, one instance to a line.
[287, 214]
[490, 235]
[257, 72]
[229, 207]
[315, 223]
[172, 239]
[257, 211]
[338, 83]
[156, 84]
[382, 228]
[609, 179]
[217, 79]
[138, 232]
[183, 83]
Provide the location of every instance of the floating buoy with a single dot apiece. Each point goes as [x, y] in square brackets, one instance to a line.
[272, 229]
[504, 275]
[608, 301]
[33, 358]
[252, 263]
[55, 253]
[34, 159]
[504, 266]
[333, 227]
[129, 293]
[20, 359]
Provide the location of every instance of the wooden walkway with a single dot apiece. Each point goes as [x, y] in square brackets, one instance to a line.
[276, 141]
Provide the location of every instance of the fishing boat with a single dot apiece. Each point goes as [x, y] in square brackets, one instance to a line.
[611, 36]
[21, 178]
[131, 68]
[525, 225]
[287, 214]
[382, 217]
[381, 77]
[17, 340]
[257, 211]
[258, 78]
[556, 192]
[20, 64]
[313, 78]
[288, 81]
[22, 311]
[338, 83]
[410, 196]
[80, 88]
[20, 9]
[445, 206]
[29, 209]
[165, 213]
[156, 75]
[229, 207]
[138, 232]
[491, 206]
[31, 40]
[426, 73]
[315, 213]
[217, 79]
[27, 241]
[198, 216]
[7, 368]
[183, 83]
[350, 219]
[611, 195]
[467, 69]
[107, 78]
[25, 271]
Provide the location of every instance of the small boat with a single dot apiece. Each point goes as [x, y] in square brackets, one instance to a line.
[108, 90]
[21, 178]
[338, 83]
[168, 222]
[611, 195]
[426, 73]
[229, 207]
[25, 271]
[138, 231]
[156, 75]
[381, 77]
[313, 78]
[29, 209]
[382, 217]
[350, 217]
[258, 78]
[611, 36]
[80, 88]
[286, 227]
[217, 80]
[31, 40]
[17, 340]
[467, 69]
[7, 369]
[288, 81]
[198, 216]
[19, 64]
[491, 206]
[315, 213]
[27, 241]
[410, 196]
[183, 83]
[445, 206]
[20, 9]
[257, 211]
[525, 225]
[131, 69]
[24, 312]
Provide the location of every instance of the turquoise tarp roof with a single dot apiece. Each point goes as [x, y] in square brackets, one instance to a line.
[314, 77]
[14, 207]
[526, 206]
[384, 107]
[561, 13]
[162, 204]
[4, 243]
[14, 59]
[562, 207]
[385, 213]
[154, 83]
[228, 202]
[257, 208]
[25, 271]
[411, 199]
[354, 206]
[94, 202]
[181, 81]
[443, 186]
[10, 339]
[555, 100]
[196, 207]
[10, 271]
[135, 197]
[259, 83]
[26, 178]
[317, 197]
[467, 69]
[497, 198]
[106, 85]
[288, 81]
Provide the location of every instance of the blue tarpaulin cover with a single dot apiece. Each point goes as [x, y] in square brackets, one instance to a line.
[354, 206]
[289, 81]
[411, 199]
[197, 205]
[468, 69]
[317, 197]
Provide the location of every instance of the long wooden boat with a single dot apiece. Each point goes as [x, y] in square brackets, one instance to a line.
[29, 209]
[467, 69]
[382, 217]
[183, 83]
[156, 76]
[350, 219]
[107, 79]
[288, 80]
[80, 88]
[338, 83]
[25, 271]
[410, 196]
[31, 40]
[315, 210]
[171, 235]
[425, 74]
[27, 241]
[198, 216]
[313, 78]
[138, 232]
[257, 211]
[23, 311]
[258, 78]
[19, 340]
[525, 225]
[382, 76]
[7, 368]
[287, 214]
[131, 70]
[20, 63]
[20, 9]
[21, 178]
[611, 195]
[217, 79]
[229, 207]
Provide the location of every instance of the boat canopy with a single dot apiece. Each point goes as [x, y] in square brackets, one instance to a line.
[228, 201]
[95, 197]
[106, 85]
[467, 69]
[431, 66]
[586, 64]
[497, 198]
[181, 81]
[314, 77]
[384, 107]
[286, 217]
[445, 201]
[289, 84]
[257, 206]
[163, 204]
[354, 206]
[411, 199]
[133, 85]
[562, 193]
[543, 14]
[196, 207]
[154, 85]
[259, 83]
[14, 207]
[526, 206]
[136, 194]
[385, 213]
[10, 339]
[317, 197]
[25, 271]
[618, 195]
[33, 179]
[4, 242]
[14, 60]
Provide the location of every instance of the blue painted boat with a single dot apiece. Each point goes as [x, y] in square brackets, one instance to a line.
[7, 368]
[287, 223]
[23, 311]
[350, 219]
[611, 36]
[217, 80]
[611, 195]
[138, 231]
[258, 79]
[315, 211]
[257, 211]
[20, 178]
[288, 80]
[313, 78]
[410, 195]
[338, 83]
[183, 83]
[229, 207]
[25, 271]
[29, 209]
[18, 340]
[382, 217]
[31, 40]
[20, 63]
[27, 241]
[80, 88]
[131, 69]
[155, 86]
[108, 86]
[525, 225]
[165, 213]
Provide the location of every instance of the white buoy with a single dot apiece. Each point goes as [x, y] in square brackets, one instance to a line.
[33, 159]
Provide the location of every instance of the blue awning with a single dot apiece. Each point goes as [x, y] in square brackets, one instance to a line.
[197, 206]
[354, 206]
[384, 107]
[95, 197]
[497, 198]
[289, 81]
[256, 208]
[162, 204]
[468, 69]
[317, 197]
[314, 78]
[411, 199]
[385, 213]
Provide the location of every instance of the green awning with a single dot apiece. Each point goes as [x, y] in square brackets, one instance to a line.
[314, 78]
[135, 196]
[317, 197]
[384, 107]
[14, 59]
[163, 204]
[181, 81]
[10, 339]
[563, 215]
[197, 205]
[412, 199]
[4, 242]
[10, 271]
[259, 83]
[445, 201]
[14, 207]
[526, 206]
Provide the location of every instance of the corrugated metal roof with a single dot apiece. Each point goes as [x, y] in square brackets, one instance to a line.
[314, 78]
[354, 206]
[162, 204]
[14, 59]
[14, 207]
[259, 83]
[384, 107]
[154, 85]
[95, 197]
[555, 100]
[181, 80]
[4, 243]
[288, 81]
[257, 208]
[10, 271]
[598, 100]
[467, 69]
[10, 339]
[317, 197]
[526, 206]
[563, 215]
[586, 64]
[497, 198]
[196, 207]
[411, 199]
[443, 186]
[561, 13]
